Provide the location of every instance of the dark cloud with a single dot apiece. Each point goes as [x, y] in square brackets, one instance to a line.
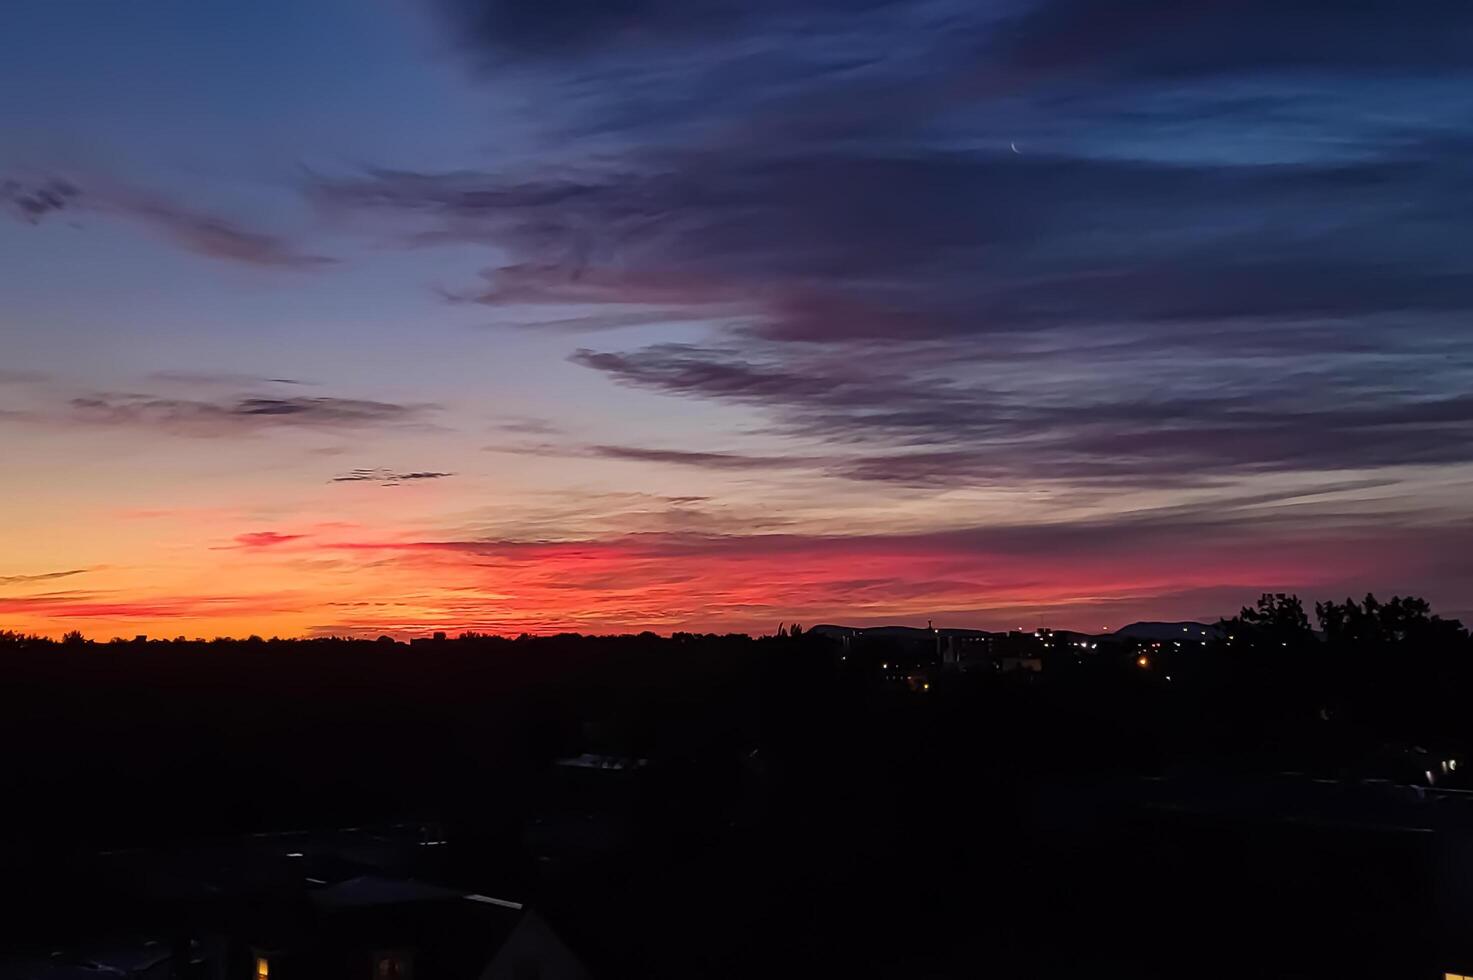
[954, 243]
[563, 25]
[388, 478]
[195, 231]
[683, 369]
[34, 202]
[1157, 36]
[243, 414]
[41, 576]
[555, 28]
[701, 460]
[969, 433]
[832, 246]
[871, 300]
[819, 69]
[1214, 37]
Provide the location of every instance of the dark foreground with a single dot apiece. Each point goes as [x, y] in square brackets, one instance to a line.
[725, 807]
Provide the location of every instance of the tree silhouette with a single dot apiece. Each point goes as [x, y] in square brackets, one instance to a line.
[1277, 619]
[1374, 626]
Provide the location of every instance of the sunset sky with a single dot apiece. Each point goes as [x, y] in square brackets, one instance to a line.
[364, 316]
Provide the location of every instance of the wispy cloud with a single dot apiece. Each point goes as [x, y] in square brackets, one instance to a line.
[703, 460]
[167, 611]
[265, 539]
[389, 478]
[203, 233]
[218, 238]
[243, 414]
[949, 243]
[33, 202]
[41, 576]
[209, 379]
[1067, 571]
[529, 426]
[942, 429]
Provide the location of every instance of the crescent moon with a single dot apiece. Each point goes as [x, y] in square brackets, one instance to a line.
[1014, 146]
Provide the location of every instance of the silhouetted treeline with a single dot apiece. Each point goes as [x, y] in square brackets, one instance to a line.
[774, 787]
[110, 742]
[1372, 674]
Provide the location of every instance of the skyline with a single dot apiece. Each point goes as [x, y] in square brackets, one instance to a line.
[392, 317]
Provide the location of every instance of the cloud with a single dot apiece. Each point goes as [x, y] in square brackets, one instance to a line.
[167, 610]
[217, 238]
[708, 460]
[951, 244]
[243, 414]
[825, 246]
[1156, 36]
[962, 433]
[34, 202]
[206, 379]
[529, 426]
[388, 478]
[265, 539]
[805, 234]
[702, 460]
[562, 25]
[1133, 565]
[41, 577]
[195, 231]
[1159, 38]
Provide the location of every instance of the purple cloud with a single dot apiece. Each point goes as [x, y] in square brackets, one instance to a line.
[195, 231]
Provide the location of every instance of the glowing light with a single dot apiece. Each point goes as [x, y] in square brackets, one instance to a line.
[1143, 661]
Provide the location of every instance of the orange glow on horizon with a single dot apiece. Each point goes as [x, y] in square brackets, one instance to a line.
[344, 578]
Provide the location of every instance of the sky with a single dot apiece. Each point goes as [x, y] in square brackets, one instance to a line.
[387, 316]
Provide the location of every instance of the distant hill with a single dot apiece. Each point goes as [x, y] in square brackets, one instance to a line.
[1167, 631]
[828, 629]
[1135, 631]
